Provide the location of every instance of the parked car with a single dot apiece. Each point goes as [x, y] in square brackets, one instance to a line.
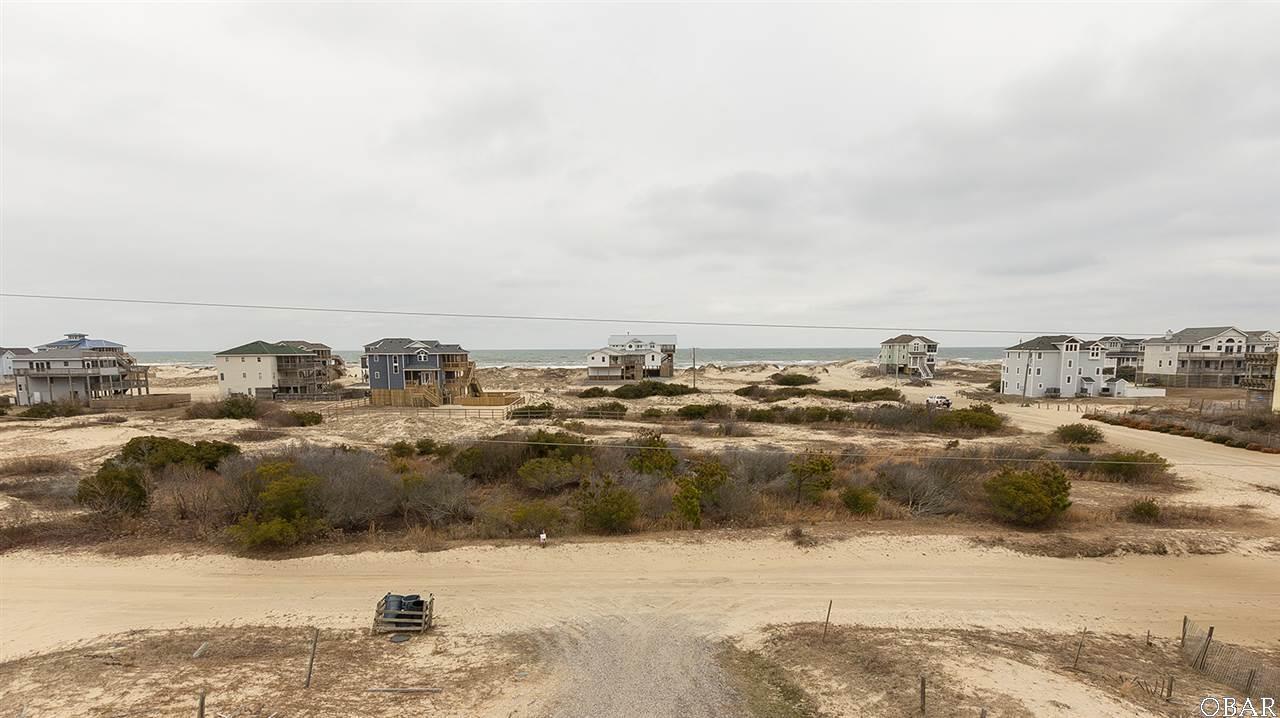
[938, 400]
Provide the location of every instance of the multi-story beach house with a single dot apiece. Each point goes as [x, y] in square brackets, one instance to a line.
[1122, 352]
[1200, 357]
[418, 372]
[632, 357]
[908, 354]
[1053, 366]
[335, 365]
[269, 370]
[77, 369]
[7, 355]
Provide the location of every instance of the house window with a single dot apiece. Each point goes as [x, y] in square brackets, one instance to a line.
[259, 360]
[1037, 371]
[1068, 380]
[1069, 363]
[243, 375]
[1097, 371]
[241, 360]
[1039, 355]
[377, 375]
[222, 377]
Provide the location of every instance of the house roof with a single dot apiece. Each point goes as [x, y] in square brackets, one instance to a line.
[1116, 380]
[608, 350]
[405, 345]
[907, 339]
[1256, 336]
[303, 344]
[263, 349]
[1192, 335]
[1049, 342]
[80, 341]
[642, 338]
[20, 351]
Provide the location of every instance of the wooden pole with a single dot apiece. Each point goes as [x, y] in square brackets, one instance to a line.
[1204, 651]
[827, 622]
[311, 662]
[200, 706]
[1183, 641]
[1168, 694]
[922, 691]
[1079, 646]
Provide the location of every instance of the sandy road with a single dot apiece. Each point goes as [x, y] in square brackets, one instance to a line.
[1215, 485]
[729, 586]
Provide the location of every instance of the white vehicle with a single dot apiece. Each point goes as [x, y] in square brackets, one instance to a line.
[938, 400]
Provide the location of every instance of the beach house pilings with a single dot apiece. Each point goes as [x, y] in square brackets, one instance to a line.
[633, 357]
[78, 369]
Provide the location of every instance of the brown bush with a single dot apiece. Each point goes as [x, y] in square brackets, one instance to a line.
[35, 466]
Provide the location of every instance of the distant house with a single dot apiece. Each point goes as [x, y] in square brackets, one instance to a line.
[1052, 366]
[77, 369]
[1123, 352]
[908, 354]
[418, 372]
[632, 357]
[270, 369]
[335, 365]
[6, 358]
[1199, 357]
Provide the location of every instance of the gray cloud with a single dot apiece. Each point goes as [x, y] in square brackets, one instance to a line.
[870, 167]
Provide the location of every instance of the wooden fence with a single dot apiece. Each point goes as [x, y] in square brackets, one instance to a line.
[1235, 666]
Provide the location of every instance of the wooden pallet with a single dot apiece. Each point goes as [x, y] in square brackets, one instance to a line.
[404, 621]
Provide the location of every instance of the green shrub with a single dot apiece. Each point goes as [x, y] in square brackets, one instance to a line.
[402, 449]
[560, 444]
[608, 409]
[652, 456]
[50, 410]
[704, 411]
[1132, 466]
[544, 410]
[307, 418]
[854, 396]
[595, 392]
[686, 502]
[811, 474]
[604, 507]
[646, 389]
[157, 452]
[980, 417]
[285, 514]
[1145, 511]
[859, 499]
[653, 412]
[234, 407]
[1078, 434]
[783, 379]
[549, 474]
[116, 489]
[529, 517]
[431, 447]
[1029, 497]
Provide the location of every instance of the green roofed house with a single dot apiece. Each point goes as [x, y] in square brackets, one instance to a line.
[267, 370]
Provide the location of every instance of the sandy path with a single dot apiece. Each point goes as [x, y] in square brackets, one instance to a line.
[730, 586]
[651, 664]
[1215, 485]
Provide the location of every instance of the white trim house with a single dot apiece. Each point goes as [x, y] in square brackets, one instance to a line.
[1054, 366]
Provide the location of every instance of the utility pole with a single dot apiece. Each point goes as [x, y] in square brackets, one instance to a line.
[1026, 378]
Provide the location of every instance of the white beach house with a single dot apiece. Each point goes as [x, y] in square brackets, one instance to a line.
[1052, 366]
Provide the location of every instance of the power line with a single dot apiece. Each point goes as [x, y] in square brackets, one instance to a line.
[547, 318]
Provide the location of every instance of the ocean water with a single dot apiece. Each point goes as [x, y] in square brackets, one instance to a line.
[577, 358]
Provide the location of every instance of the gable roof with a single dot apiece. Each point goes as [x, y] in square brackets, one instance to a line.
[1257, 336]
[303, 344]
[1049, 342]
[405, 345]
[907, 339]
[1191, 335]
[19, 351]
[263, 348]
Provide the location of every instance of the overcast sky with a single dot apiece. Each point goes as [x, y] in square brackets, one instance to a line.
[1076, 167]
